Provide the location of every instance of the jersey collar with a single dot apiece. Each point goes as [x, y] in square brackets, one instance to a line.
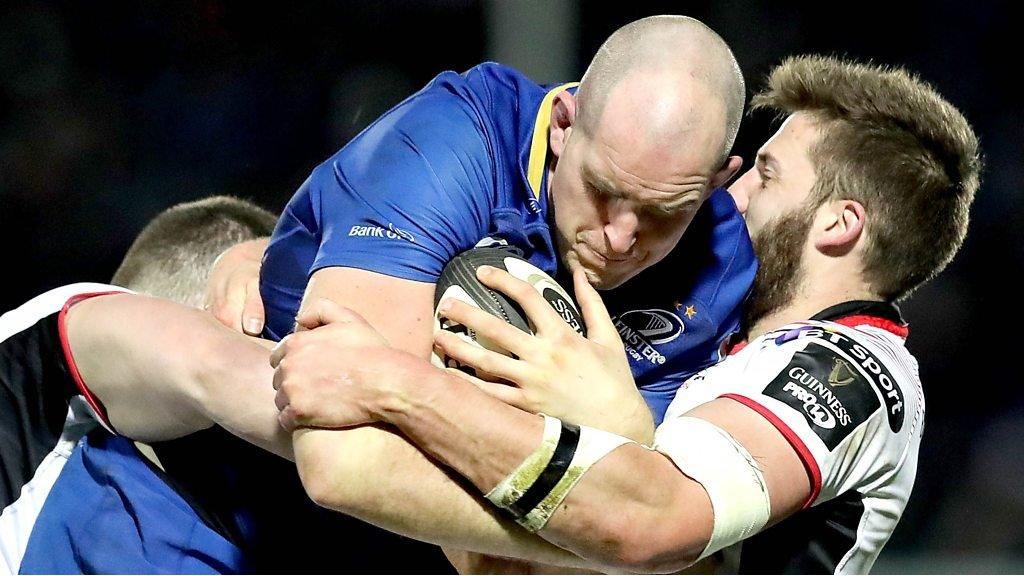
[884, 315]
[539, 145]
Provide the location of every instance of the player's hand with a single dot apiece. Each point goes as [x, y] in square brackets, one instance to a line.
[335, 373]
[584, 380]
[233, 291]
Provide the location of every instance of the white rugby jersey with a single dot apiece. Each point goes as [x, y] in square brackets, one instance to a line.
[44, 410]
[845, 393]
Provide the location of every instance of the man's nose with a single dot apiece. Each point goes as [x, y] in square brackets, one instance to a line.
[621, 228]
[740, 190]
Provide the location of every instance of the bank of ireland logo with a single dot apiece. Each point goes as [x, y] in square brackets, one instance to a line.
[392, 232]
[396, 232]
[656, 326]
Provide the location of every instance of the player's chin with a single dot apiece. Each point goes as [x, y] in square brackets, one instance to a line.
[608, 278]
[603, 274]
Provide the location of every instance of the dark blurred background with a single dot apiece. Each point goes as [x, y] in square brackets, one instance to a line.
[113, 111]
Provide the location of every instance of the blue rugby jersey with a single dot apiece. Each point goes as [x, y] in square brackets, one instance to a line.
[111, 512]
[464, 159]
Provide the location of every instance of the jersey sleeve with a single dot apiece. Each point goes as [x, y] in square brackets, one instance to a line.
[38, 383]
[410, 192]
[833, 400]
[99, 412]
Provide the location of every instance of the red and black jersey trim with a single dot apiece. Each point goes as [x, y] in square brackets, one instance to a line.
[804, 453]
[90, 398]
[35, 391]
[884, 315]
[36, 388]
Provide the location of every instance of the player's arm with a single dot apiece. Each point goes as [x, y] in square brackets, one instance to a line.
[374, 473]
[661, 498]
[633, 509]
[162, 370]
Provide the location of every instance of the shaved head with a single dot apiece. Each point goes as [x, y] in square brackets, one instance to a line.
[667, 75]
[641, 145]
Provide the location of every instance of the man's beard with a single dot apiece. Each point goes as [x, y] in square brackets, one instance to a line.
[779, 248]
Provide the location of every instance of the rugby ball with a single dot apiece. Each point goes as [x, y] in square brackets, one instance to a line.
[458, 280]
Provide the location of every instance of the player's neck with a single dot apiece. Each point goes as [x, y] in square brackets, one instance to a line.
[806, 304]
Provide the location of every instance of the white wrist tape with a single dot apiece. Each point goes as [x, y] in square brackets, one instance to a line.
[729, 474]
[594, 444]
[536, 488]
[512, 488]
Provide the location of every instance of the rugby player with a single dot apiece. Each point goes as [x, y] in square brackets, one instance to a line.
[805, 439]
[45, 412]
[487, 156]
[610, 175]
[114, 511]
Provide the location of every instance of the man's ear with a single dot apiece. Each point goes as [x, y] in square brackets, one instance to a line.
[563, 116]
[730, 168]
[842, 225]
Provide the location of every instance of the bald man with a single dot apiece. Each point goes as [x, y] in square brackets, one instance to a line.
[608, 173]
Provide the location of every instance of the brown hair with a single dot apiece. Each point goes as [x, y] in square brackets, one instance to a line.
[892, 143]
[173, 255]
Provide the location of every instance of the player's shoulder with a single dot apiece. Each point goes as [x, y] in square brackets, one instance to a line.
[496, 73]
[856, 369]
[482, 87]
[450, 105]
[865, 344]
[734, 264]
[508, 99]
[49, 303]
[453, 111]
[466, 117]
[848, 338]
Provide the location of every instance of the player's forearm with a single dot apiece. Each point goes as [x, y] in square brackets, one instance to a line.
[374, 474]
[631, 510]
[237, 393]
[163, 370]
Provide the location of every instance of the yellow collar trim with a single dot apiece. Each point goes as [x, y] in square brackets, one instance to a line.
[539, 145]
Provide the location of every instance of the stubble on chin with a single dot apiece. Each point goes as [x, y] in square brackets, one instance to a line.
[779, 248]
